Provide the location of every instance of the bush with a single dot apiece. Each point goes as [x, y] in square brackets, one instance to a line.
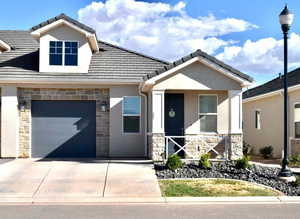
[266, 152]
[174, 162]
[243, 163]
[247, 148]
[297, 182]
[204, 162]
[295, 160]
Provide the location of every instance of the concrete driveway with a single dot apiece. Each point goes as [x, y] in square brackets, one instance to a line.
[82, 179]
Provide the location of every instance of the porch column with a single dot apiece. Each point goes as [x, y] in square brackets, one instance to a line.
[158, 126]
[235, 124]
[9, 122]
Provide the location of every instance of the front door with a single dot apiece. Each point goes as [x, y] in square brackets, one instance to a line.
[174, 120]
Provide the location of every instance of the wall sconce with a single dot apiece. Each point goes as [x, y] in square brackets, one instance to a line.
[22, 106]
[103, 106]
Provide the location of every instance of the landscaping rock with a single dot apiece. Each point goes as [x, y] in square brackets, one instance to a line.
[255, 174]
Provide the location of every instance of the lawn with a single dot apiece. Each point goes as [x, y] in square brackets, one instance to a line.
[213, 188]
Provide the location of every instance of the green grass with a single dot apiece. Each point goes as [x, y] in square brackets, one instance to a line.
[212, 188]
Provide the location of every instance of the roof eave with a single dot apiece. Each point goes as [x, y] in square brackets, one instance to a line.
[152, 81]
[91, 36]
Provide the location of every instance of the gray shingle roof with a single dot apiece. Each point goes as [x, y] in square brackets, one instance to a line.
[112, 63]
[274, 85]
[199, 53]
[64, 17]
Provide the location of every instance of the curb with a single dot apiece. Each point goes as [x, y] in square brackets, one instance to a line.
[149, 200]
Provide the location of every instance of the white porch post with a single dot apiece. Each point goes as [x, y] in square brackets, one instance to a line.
[235, 124]
[158, 126]
[9, 122]
[158, 108]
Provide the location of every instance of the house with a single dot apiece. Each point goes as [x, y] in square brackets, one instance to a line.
[65, 93]
[263, 115]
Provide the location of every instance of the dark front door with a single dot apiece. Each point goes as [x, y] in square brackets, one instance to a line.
[63, 129]
[174, 119]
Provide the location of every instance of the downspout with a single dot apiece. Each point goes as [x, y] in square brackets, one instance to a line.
[145, 119]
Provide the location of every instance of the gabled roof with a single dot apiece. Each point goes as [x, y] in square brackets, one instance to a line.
[199, 53]
[66, 18]
[273, 85]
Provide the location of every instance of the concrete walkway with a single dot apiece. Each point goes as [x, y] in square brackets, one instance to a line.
[80, 180]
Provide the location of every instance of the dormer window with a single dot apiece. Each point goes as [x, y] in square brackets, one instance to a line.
[63, 53]
[71, 53]
[56, 48]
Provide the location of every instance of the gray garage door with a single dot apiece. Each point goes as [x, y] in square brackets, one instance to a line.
[63, 129]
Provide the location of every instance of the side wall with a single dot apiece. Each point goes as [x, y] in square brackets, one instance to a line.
[271, 132]
[125, 144]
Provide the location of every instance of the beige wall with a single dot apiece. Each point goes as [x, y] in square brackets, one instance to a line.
[197, 76]
[121, 144]
[271, 132]
[65, 33]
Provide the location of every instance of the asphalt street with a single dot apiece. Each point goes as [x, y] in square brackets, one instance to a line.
[151, 211]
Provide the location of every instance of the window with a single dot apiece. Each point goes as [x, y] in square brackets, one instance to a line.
[297, 120]
[131, 114]
[56, 48]
[63, 53]
[257, 119]
[71, 53]
[208, 113]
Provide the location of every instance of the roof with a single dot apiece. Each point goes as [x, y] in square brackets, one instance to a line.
[274, 85]
[112, 63]
[199, 53]
[66, 18]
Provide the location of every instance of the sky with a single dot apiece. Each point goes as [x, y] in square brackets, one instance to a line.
[244, 34]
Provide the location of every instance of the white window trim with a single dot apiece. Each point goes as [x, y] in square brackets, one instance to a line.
[139, 115]
[255, 119]
[294, 126]
[203, 114]
[63, 52]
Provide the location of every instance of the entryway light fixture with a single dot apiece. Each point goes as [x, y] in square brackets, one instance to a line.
[103, 106]
[22, 106]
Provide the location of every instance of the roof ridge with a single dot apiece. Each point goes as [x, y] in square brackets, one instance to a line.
[134, 52]
[64, 17]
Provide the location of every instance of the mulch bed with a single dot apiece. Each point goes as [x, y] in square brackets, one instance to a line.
[256, 174]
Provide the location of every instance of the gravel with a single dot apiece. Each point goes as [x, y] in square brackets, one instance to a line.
[256, 173]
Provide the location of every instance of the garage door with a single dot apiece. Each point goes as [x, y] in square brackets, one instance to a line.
[63, 129]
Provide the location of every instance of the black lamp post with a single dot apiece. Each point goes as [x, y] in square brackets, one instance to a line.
[286, 20]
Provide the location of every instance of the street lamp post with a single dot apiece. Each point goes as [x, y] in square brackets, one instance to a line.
[286, 20]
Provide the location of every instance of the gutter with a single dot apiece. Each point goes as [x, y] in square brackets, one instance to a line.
[145, 119]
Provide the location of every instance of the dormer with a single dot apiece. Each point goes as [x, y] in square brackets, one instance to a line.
[66, 46]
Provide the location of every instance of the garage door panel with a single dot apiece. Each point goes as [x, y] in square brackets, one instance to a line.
[63, 128]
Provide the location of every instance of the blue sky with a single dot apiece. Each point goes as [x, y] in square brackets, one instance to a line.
[264, 34]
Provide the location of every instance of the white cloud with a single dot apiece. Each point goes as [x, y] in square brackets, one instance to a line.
[264, 56]
[159, 29]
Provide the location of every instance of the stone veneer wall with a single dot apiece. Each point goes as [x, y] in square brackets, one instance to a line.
[233, 144]
[102, 118]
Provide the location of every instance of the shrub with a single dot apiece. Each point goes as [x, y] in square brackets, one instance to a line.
[266, 152]
[174, 162]
[297, 182]
[243, 163]
[247, 148]
[204, 162]
[295, 160]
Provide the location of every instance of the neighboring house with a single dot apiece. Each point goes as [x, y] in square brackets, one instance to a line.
[65, 93]
[263, 114]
